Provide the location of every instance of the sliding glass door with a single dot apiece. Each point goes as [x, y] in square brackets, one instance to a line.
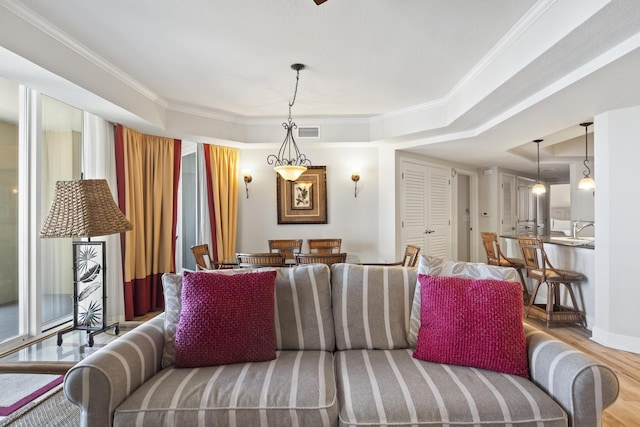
[40, 142]
[61, 160]
[9, 149]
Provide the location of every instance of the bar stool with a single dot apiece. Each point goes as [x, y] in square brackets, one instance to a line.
[540, 269]
[496, 257]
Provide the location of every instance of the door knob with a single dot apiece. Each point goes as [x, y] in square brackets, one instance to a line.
[429, 231]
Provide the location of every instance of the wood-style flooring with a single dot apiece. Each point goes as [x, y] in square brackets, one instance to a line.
[626, 410]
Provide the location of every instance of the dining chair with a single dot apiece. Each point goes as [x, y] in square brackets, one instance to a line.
[324, 246]
[496, 257]
[202, 257]
[260, 259]
[540, 269]
[287, 247]
[321, 258]
[410, 258]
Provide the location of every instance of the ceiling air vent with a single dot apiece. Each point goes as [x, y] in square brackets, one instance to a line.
[308, 132]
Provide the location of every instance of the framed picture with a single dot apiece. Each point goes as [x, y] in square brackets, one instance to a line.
[303, 201]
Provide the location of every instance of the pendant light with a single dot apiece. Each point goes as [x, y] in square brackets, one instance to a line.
[586, 183]
[538, 188]
[290, 163]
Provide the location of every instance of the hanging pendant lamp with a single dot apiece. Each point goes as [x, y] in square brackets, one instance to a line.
[586, 183]
[290, 163]
[538, 188]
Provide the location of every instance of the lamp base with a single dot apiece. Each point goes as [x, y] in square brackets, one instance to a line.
[89, 290]
[90, 332]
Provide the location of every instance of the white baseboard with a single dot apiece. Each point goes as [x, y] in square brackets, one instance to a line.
[617, 341]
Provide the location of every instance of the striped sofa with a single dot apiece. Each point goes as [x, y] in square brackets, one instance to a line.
[343, 358]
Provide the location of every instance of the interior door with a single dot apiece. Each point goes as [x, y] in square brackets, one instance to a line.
[526, 206]
[426, 208]
[508, 221]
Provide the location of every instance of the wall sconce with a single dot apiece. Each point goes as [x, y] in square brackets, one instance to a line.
[247, 179]
[355, 177]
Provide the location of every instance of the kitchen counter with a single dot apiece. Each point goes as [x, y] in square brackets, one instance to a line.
[566, 254]
[582, 242]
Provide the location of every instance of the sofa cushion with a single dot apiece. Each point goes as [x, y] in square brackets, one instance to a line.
[297, 388]
[439, 267]
[226, 319]
[303, 316]
[472, 322]
[390, 387]
[371, 305]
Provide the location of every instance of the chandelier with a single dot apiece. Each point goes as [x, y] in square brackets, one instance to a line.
[290, 163]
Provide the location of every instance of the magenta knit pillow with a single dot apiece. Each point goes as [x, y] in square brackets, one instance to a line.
[226, 319]
[472, 322]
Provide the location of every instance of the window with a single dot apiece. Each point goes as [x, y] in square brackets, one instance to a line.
[40, 142]
[9, 149]
[61, 160]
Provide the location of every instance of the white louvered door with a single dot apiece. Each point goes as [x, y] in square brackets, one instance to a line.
[426, 208]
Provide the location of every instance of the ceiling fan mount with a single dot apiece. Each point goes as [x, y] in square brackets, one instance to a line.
[319, 2]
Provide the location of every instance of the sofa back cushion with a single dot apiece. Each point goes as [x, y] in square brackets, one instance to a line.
[303, 318]
[440, 267]
[371, 305]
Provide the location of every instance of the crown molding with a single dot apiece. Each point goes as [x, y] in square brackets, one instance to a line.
[28, 15]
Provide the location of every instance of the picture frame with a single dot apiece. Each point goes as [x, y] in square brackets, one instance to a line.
[303, 201]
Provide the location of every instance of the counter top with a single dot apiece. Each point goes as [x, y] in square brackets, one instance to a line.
[580, 242]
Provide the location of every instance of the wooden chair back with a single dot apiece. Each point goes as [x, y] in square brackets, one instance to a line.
[321, 258]
[259, 259]
[202, 257]
[324, 246]
[491, 247]
[534, 256]
[287, 247]
[411, 256]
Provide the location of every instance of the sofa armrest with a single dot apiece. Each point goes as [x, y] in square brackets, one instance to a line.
[581, 385]
[102, 381]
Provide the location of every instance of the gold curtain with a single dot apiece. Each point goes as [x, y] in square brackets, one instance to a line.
[151, 167]
[224, 180]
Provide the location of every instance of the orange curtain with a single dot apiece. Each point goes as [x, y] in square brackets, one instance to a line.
[222, 190]
[148, 174]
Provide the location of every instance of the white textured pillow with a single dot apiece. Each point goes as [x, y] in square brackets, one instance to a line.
[439, 267]
[172, 286]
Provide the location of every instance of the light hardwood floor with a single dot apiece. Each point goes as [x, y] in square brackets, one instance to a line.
[626, 410]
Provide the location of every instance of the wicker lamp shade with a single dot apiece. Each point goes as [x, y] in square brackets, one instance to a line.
[83, 208]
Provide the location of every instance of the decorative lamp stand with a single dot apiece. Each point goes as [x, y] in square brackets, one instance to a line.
[89, 290]
[84, 209]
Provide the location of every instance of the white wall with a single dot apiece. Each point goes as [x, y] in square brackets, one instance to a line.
[388, 205]
[617, 205]
[354, 219]
[489, 204]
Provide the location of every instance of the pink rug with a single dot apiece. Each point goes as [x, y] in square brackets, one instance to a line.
[16, 390]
